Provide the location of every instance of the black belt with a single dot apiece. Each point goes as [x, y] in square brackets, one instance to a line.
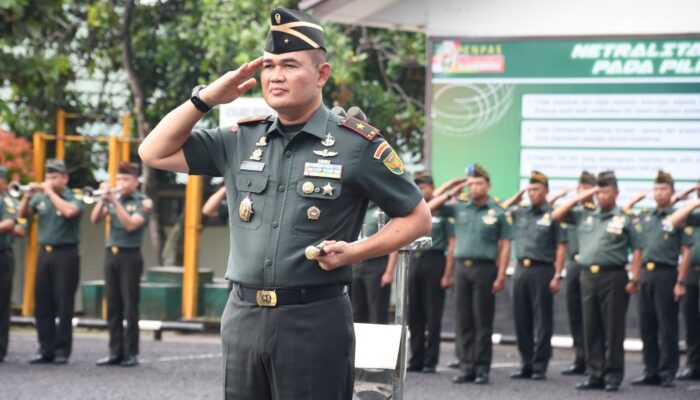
[419, 254]
[529, 262]
[122, 250]
[597, 268]
[285, 297]
[651, 265]
[48, 248]
[470, 262]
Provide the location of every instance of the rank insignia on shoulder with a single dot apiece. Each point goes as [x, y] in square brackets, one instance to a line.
[360, 127]
[688, 230]
[394, 163]
[253, 119]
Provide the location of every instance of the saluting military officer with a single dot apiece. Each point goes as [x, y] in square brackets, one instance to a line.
[573, 278]
[216, 205]
[8, 215]
[605, 237]
[301, 183]
[129, 211]
[482, 249]
[661, 286]
[430, 273]
[370, 291]
[540, 245]
[58, 265]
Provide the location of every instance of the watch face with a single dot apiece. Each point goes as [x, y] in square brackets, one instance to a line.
[195, 91]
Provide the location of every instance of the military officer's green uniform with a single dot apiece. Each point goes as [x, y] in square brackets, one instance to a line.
[605, 239]
[426, 298]
[536, 239]
[287, 329]
[223, 211]
[57, 270]
[658, 311]
[478, 229]
[8, 211]
[691, 302]
[123, 268]
[573, 282]
[370, 301]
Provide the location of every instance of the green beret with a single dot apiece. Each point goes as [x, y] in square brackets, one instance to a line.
[54, 165]
[663, 177]
[607, 178]
[538, 177]
[587, 178]
[293, 30]
[477, 171]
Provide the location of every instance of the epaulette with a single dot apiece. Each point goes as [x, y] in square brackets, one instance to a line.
[360, 127]
[589, 205]
[463, 197]
[254, 118]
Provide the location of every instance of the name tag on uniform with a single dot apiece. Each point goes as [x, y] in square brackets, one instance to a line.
[323, 169]
[252, 166]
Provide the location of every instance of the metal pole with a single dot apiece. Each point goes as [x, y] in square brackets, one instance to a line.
[193, 213]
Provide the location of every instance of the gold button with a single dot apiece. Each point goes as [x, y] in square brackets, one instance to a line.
[115, 250]
[308, 188]
[48, 248]
[527, 262]
[468, 263]
[595, 269]
[651, 266]
[576, 257]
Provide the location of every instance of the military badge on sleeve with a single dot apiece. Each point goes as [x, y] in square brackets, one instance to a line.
[393, 163]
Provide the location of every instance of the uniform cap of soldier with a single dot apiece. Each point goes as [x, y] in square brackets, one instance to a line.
[539, 177]
[477, 171]
[664, 177]
[129, 168]
[293, 30]
[423, 177]
[3, 172]
[587, 178]
[54, 165]
[607, 178]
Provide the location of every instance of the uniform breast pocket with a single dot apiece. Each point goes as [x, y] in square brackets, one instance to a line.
[250, 200]
[315, 210]
[489, 232]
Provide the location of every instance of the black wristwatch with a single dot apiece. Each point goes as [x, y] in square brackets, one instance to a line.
[198, 103]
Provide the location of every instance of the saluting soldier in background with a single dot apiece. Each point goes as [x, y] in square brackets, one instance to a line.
[216, 206]
[8, 215]
[429, 274]
[586, 181]
[302, 179]
[58, 265]
[129, 212]
[482, 250]
[661, 285]
[540, 245]
[605, 237]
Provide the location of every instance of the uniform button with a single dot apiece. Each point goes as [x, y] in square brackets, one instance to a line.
[281, 188]
[287, 153]
[268, 263]
[275, 224]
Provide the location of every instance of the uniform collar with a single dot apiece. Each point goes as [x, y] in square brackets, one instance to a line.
[539, 209]
[316, 125]
[664, 211]
[607, 214]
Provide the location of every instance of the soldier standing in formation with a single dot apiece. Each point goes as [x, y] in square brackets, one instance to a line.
[429, 274]
[129, 212]
[540, 248]
[482, 250]
[58, 265]
[8, 215]
[301, 183]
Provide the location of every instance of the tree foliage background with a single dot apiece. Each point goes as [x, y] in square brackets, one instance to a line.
[163, 48]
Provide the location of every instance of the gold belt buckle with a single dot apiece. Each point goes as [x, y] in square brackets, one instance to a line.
[527, 263]
[48, 248]
[266, 298]
[468, 263]
[115, 250]
[650, 266]
[595, 269]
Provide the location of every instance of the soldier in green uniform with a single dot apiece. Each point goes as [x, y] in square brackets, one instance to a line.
[370, 291]
[8, 214]
[300, 183]
[430, 273]
[129, 211]
[573, 279]
[58, 264]
[482, 250]
[605, 238]
[540, 245]
[661, 286]
[216, 205]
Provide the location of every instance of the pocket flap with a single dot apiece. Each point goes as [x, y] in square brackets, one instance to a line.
[253, 183]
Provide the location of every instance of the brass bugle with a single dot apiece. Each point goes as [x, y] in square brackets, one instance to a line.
[16, 189]
[90, 195]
